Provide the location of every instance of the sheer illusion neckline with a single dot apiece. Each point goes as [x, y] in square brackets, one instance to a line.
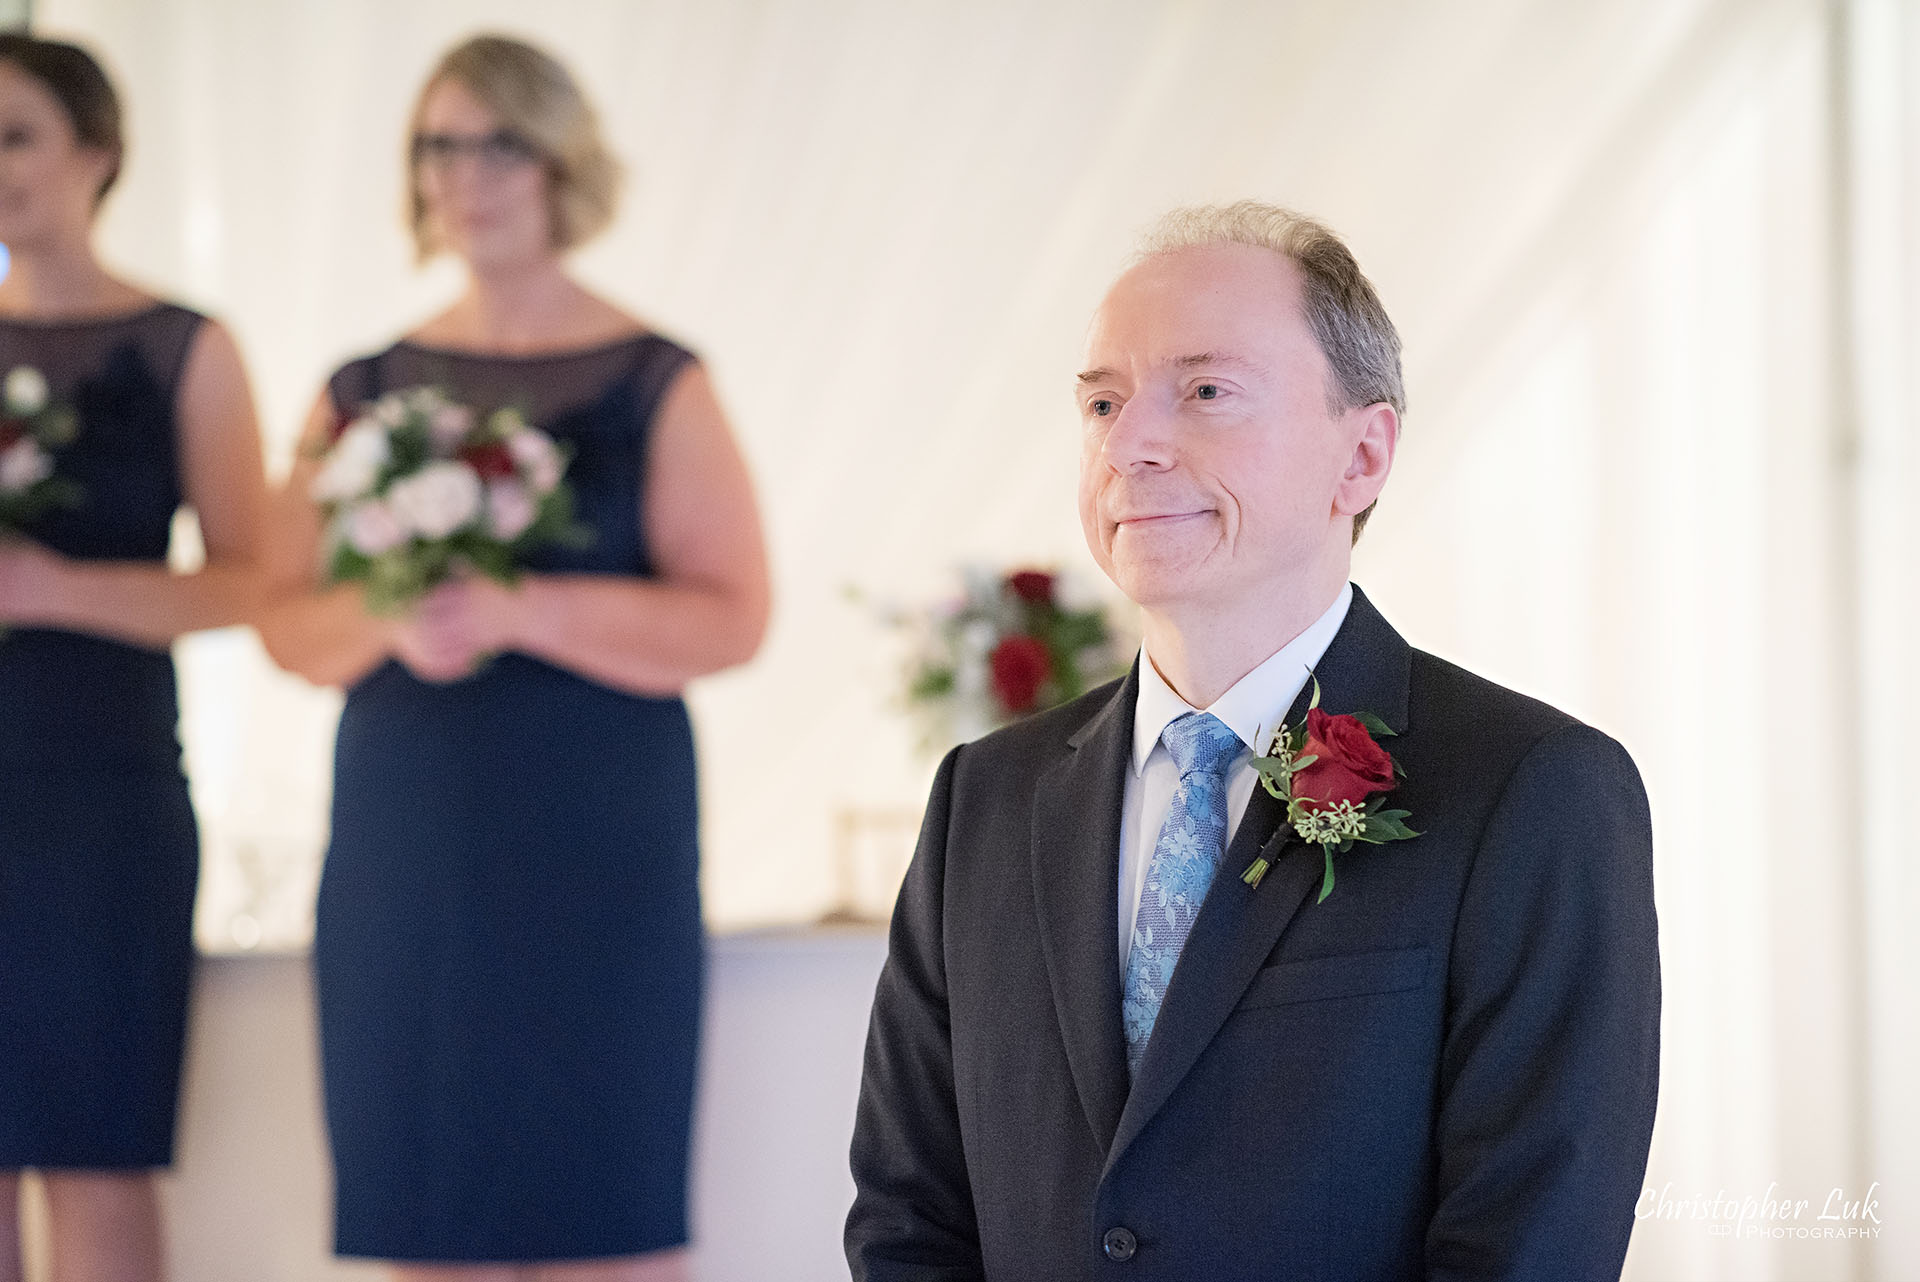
[553, 354]
[86, 322]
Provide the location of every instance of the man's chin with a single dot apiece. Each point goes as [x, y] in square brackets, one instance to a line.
[1157, 585]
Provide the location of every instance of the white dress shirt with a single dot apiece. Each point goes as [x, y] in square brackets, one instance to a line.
[1252, 709]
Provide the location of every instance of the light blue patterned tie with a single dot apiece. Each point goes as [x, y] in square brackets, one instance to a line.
[1191, 844]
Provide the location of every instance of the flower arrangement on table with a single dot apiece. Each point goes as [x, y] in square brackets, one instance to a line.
[418, 489]
[1012, 644]
[32, 427]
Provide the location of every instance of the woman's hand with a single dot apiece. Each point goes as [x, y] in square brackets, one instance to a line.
[458, 626]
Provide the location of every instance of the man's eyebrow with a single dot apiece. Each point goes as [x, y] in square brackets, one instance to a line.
[1195, 360]
[1219, 360]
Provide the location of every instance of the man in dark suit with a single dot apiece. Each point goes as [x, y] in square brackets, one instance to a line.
[1096, 1050]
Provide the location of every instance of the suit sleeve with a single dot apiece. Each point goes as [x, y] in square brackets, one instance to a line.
[1550, 1065]
[912, 1214]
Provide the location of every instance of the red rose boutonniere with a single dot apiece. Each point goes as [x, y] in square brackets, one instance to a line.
[1334, 776]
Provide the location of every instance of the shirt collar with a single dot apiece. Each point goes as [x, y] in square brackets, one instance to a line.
[1253, 708]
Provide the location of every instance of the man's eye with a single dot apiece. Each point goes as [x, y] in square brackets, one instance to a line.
[1101, 408]
[1207, 391]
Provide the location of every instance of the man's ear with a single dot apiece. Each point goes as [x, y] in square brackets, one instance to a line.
[1375, 432]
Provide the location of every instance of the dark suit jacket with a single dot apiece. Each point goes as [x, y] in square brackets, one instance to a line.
[1445, 1071]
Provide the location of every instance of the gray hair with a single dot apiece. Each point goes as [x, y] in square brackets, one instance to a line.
[1354, 332]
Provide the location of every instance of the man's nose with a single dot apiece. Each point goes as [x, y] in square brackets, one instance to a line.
[1141, 438]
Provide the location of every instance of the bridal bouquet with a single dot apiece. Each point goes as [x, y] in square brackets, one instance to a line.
[419, 488]
[1012, 644]
[31, 428]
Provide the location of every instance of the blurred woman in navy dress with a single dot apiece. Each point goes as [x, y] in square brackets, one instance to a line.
[508, 946]
[98, 848]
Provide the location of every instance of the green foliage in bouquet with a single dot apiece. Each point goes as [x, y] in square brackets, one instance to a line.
[392, 581]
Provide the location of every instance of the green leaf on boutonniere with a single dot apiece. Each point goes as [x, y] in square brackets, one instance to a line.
[1326, 882]
[1375, 726]
[1274, 777]
[1387, 826]
[1270, 767]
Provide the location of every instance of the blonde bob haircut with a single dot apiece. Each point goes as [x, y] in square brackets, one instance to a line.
[537, 98]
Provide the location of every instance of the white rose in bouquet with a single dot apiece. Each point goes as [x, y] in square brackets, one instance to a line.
[510, 510]
[437, 500]
[26, 391]
[372, 528]
[450, 425]
[23, 465]
[538, 459]
[353, 464]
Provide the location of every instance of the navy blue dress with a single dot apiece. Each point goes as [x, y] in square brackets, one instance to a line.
[98, 850]
[509, 947]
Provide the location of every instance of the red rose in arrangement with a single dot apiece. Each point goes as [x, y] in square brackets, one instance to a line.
[1019, 639]
[1350, 766]
[491, 462]
[1035, 587]
[1020, 666]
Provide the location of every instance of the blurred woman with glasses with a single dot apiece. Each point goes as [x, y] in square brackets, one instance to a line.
[98, 850]
[508, 944]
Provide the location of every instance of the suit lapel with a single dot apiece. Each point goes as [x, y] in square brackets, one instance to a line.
[1366, 668]
[1076, 875]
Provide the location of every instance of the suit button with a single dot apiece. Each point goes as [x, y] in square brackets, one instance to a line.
[1119, 1245]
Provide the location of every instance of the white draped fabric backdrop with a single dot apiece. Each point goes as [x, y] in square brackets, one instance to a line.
[1657, 269]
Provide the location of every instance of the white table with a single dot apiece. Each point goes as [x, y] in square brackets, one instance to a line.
[250, 1198]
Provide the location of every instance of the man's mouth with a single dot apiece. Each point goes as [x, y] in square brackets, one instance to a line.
[1152, 520]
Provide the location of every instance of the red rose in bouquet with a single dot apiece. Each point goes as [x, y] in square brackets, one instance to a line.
[491, 462]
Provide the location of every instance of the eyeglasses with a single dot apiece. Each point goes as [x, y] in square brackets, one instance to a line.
[501, 150]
